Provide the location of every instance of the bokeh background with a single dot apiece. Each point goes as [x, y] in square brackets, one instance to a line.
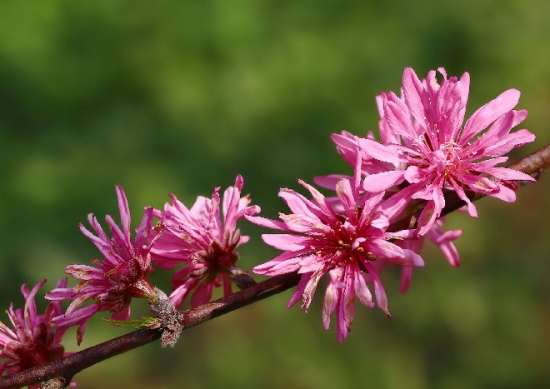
[180, 96]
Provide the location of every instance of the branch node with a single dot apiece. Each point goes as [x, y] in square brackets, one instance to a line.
[170, 320]
[242, 278]
[55, 383]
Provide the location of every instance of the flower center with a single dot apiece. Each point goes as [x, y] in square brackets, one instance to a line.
[348, 242]
[447, 159]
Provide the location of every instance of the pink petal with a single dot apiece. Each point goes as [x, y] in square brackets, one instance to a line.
[303, 224]
[413, 174]
[266, 267]
[398, 118]
[394, 205]
[361, 290]
[472, 210]
[202, 294]
[381, 297]
[299, 292]
[286, 242]
[427, 217]
[298, 204]
[392, 252]
[379, 182]
[267, 223]
[371, 202]
[179, 294]
[311, 286]
[412, 92]
[488, 113]
[507, 174]
[406, 277]
[443, 240]
[59, 294]
[124, 211]
[491, 162]
[328, 182]
[345, 193]
[331, 299]
[512, 141]
[478, 183]
[84, 272]
[289, 266]
[504, 194]
[386, 153]
[346, 308]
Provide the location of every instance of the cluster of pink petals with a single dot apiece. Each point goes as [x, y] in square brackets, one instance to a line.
[348, 147]
[112, 282]
[433, 152]
[31, 341]
[425, 151]
[349, 243]
[202, 240]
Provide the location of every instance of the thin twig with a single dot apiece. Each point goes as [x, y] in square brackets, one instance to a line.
[72, 364]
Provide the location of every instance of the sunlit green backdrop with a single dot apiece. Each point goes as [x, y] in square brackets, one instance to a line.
[180, 96]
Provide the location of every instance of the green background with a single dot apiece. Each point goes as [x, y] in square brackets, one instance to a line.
[180, 96]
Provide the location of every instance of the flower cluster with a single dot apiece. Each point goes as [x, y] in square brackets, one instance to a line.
[424, 153]
[426, 150]
[31, 341]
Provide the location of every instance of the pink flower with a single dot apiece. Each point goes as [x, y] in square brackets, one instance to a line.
[32, 341]
[350, 245]
[437, 153]
[200, 239]
[348, 146]
[115, 280]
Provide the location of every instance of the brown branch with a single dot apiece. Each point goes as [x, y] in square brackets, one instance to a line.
[70, 365]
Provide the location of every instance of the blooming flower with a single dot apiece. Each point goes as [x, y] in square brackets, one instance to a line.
[200, 239]
[436, 153]
[113, 281]
[350, 245]
[32, 341]
[348, 146]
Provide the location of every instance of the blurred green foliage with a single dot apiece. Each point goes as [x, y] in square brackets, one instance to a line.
[180, 96]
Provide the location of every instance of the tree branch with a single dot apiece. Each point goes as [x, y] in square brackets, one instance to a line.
[70, 365]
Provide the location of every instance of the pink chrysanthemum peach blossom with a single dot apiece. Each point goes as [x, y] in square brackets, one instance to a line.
[351, 245]
[31, 341]
[436, 153]
[348, 146]
[200, 239]
[115, 280]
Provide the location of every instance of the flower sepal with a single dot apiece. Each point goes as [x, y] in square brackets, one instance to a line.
[142, 289]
